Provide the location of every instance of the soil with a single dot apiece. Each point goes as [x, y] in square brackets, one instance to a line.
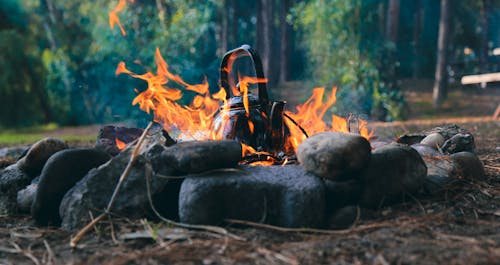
[459, 226]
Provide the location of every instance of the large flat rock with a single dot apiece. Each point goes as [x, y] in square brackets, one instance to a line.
[279, 195]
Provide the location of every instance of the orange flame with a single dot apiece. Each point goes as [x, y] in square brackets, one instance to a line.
[121, 145]
[195, 120]
[113, 16]
[310, 116]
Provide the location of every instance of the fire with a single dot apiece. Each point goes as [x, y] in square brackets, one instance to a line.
[113, 16]
[121, 145]
[195, 120]
[310, 116]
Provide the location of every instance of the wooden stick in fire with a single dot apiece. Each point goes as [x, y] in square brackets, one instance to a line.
[74, 240]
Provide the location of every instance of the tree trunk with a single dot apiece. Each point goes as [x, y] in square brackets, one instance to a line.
[233, 21]
[441, 77]
[264, 33]
[224, 27]
[483, 49]
[392, 21]
[284, 39]
[417, 28]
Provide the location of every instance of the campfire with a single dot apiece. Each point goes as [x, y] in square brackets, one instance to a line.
[232, 154]
[264, 128]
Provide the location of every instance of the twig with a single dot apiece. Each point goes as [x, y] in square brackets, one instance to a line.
[492, 167]
[51, 258]
[209, 228]
[307, 230]
[26, 253]
[74, 241]
[131, 162]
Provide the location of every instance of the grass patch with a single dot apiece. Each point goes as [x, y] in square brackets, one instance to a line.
[18, 138]
[29, 135]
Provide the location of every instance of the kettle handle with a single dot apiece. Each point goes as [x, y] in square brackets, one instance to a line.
[224, 72]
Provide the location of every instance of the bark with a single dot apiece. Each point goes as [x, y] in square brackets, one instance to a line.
[284, 42]
[264, 29]
[441, 76]
[483, 50]
[233, 22]
[417, 29]
[392, 20]
[224, 27]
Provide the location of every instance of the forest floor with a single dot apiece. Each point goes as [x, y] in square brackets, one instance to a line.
[459, 226]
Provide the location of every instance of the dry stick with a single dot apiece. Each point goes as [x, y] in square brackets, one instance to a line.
[307, 230]
[51, 256]
[74, 241]
[209, 228]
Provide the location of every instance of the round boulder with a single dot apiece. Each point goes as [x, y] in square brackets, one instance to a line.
[34, 160]
[60, 174]
[393, 171]
[334, 155]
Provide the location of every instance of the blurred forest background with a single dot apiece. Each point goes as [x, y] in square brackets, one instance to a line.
[58, 57]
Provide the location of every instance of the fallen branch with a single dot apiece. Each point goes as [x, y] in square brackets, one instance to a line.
[74, 240]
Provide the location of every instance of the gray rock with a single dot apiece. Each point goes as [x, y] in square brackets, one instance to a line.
[461, 142]
[12, 180]
[468, 165]
[344, 217]
[285, 196]
[106, 138]
[198, 156]
[334, 155]
[60, 173]
[13, 152]
[434, 140]
[33, 162]
[341, 193]
[440, 173]
[94, 191]
[425, 150]
[393, 170]
[26, 196]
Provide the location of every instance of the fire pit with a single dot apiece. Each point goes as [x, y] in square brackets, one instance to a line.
[254, 161]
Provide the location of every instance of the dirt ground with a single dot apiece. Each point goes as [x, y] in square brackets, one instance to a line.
[459, 226]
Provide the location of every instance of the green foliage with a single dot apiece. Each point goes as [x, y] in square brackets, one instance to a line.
[21, 86]
[343, 50]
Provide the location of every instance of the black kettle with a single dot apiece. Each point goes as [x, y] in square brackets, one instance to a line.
[262, 127]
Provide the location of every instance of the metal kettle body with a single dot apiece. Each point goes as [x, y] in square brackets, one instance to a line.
[261, 125]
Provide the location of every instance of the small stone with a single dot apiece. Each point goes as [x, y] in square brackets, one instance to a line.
[26, 196]
[33, 162]
[12, 180]
[440, 173]
[434, 140]
[460, 142]
[425, 150]
[393, 170]
[13, 153]
[106, 138]
[468, 165]
[61, 172]
[334, 155]
[344, 217]
[286, 196]
[198, 156]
